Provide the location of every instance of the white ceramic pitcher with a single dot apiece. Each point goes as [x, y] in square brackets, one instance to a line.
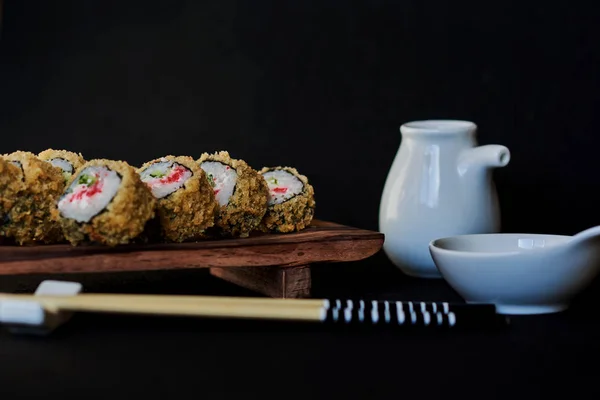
[440, 184]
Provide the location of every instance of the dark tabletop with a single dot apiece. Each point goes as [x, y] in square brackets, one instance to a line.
[107, 356]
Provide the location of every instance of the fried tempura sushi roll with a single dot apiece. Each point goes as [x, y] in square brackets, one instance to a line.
[105, 202]
[67, 161]
[32, 219]
[291, 200]
[12, 188]
[241, 192]
[186, 202]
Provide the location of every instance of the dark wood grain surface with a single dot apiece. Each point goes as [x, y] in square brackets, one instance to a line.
[278, 282]
[320, 242]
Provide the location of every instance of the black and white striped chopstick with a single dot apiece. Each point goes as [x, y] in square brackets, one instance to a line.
[411, 313]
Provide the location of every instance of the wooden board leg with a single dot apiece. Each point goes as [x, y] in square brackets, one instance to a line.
[279, 282]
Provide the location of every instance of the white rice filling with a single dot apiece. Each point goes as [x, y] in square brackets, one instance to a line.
[222, 178]
[90, 193]
[165, 177]
[282, 186]
[63, 164]
[17, 163]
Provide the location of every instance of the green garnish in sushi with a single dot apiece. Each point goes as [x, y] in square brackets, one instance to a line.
[87, 180]
[211, 179]
[157, 174]
[273, 180]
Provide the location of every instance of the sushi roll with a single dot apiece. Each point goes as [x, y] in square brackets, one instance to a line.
[32, 219]
[291, 200]
[105, 202]
[241, 192]
[11, 191]
[186, 204]
[67, 161]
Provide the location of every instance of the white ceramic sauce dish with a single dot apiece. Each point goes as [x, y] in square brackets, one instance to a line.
[519, 273]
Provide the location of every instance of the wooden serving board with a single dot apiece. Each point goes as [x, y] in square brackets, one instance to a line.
[276, 265]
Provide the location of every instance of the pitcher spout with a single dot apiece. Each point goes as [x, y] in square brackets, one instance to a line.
[483, 157]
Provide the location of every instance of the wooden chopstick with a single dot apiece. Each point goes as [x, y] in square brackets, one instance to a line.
[201, 306]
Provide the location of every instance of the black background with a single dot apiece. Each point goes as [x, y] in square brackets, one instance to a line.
[322, 86]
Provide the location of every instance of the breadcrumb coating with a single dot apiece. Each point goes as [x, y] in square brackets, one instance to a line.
[32, 217]
[12, 188]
